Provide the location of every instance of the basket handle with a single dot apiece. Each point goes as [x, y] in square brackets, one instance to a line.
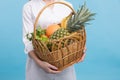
[40, 12]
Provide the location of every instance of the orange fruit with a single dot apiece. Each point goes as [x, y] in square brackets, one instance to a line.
[51, 29]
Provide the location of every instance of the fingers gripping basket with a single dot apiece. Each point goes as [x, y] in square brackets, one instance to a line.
[65, 51]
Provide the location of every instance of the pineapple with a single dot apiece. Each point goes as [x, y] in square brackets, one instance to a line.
[60, 33]
[74, 23]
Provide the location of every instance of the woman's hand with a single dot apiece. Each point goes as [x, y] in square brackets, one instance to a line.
[48, 67]
[44, 65]
[83, 56]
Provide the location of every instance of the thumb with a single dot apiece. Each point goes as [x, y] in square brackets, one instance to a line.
[53, 67]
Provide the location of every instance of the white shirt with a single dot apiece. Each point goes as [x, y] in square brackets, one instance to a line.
[48, 16]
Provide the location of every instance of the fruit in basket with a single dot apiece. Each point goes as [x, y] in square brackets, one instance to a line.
[44, 38]
[79, 19]
[40, 35]
[40, 31]
[59, 33]
[64, 21]
[74, 23]
[51, 29]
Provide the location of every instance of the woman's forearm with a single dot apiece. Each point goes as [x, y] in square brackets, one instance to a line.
[34, 56]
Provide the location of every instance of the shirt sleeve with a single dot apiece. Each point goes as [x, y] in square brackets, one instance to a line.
[27, 28]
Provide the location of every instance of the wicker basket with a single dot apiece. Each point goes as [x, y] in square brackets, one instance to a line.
[65, 51]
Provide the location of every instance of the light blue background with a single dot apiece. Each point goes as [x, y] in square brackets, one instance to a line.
[102, 60]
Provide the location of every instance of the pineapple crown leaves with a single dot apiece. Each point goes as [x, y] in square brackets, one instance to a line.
[80, 18]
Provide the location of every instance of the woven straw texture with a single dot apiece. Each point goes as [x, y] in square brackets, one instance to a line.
[64, 51]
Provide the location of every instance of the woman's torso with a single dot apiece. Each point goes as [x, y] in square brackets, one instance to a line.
[48, 16]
